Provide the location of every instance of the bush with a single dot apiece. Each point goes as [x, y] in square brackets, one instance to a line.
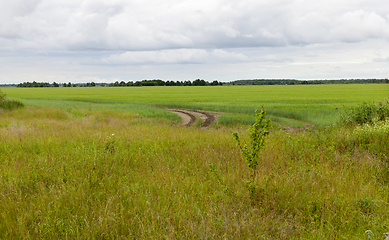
[367, 113]
[9, 104]
[367, 128]
[2, 96]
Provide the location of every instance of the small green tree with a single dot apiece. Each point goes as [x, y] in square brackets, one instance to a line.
[258, 132]
[9, 104]
[2, 96]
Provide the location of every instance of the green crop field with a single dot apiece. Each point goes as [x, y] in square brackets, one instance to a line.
[112, 163]
[316, 104]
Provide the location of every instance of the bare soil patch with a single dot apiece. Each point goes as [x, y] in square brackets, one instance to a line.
[189, 117]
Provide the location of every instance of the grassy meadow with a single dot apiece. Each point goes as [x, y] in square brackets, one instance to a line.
[320, 105]
[110, 163]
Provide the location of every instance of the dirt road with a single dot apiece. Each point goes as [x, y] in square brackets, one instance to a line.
[189, 117]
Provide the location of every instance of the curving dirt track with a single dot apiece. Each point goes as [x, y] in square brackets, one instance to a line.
[189, 117]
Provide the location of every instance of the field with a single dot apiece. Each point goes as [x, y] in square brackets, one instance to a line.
[316, 104]
[111, 163]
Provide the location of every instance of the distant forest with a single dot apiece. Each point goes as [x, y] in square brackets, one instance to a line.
[199, 82]
[300, 82]
[155, 82]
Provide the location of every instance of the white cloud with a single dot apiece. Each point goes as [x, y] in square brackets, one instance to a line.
[173, 56]
[163, 56]
[224, 56]
[360, 25]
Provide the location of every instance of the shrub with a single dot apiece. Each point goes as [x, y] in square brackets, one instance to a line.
[366, 113]
[9, 104]
[2, 96]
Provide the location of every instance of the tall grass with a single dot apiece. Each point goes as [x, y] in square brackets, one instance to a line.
[116, 175]
[249, 119]
[370, 124]
[79, 108]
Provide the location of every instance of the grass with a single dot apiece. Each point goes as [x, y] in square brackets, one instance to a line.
[75, 107]
[246, 119]
[102, 169]
[317, 104]
[110, 174]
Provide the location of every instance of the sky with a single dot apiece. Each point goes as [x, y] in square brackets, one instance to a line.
[130, 40]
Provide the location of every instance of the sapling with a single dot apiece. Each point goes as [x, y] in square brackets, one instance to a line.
[2, 96]
[258, 132]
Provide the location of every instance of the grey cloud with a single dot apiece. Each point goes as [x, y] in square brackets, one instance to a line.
[381, 59]
[224, 39]
[154, 25]
[12, 14]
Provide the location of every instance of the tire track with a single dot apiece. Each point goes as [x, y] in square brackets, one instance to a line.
[189, 117]
[209, 118]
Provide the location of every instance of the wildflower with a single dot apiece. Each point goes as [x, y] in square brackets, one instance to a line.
[369, 233]
[386, 236]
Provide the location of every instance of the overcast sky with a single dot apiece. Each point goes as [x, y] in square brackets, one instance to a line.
[225, 40]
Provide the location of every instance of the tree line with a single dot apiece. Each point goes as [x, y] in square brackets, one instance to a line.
[201, 82]
[158, 82]
[155, 82]
[301, 82]
[54, 84]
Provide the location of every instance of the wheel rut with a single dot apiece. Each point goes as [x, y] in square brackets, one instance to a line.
[188, 117]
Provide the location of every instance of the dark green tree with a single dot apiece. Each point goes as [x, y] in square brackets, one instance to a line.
[199, 82]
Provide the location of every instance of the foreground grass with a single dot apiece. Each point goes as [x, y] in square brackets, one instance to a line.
[317, 104]
[109, 174]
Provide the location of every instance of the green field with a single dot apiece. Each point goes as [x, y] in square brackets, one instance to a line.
[316, 104]
[111, 163]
